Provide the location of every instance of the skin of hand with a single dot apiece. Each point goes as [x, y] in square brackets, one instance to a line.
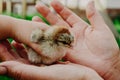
[16, 65]
[54, 72]
[8, 53]
[20, 30]
[94, 46]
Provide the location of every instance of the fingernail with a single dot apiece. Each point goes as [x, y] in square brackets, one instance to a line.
[39, 4]
[57, 2]
[90, 10]
[37, 19]
[91, 4]
[57, 5]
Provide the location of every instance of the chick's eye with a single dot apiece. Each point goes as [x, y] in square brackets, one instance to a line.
[64, 42]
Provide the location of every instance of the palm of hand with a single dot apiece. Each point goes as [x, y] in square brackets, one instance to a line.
[94, 45]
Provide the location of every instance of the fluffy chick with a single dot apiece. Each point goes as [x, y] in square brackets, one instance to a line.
[53, 43]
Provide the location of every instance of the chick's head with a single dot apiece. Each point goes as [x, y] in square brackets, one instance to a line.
[59, 35]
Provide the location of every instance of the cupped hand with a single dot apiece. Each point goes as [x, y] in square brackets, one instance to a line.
[69, 71]
[16, 65]
[20, 30]
[94, 45]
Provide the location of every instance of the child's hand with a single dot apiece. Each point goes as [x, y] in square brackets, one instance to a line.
[20, 30]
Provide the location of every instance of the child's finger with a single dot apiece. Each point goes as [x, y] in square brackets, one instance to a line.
[37, 19]
[5, 55]
[6, 42]
[20, 49]
[36, 48]
[10, 49]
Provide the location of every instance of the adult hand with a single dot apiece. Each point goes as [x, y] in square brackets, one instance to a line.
[15, 67]
[70, 71]
[94, 45]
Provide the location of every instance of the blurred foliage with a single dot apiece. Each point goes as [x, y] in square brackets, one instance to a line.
[5, 78]
[116, 22]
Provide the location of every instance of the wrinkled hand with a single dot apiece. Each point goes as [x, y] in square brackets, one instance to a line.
[14, 66]
[94, 45]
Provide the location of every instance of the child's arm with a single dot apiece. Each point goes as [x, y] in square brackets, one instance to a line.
[19, 29]
[5, 26]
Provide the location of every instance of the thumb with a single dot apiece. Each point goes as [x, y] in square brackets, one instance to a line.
[94, 16]
[11, 68]
[21, 71]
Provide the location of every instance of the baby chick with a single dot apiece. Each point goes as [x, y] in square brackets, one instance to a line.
[53, 43]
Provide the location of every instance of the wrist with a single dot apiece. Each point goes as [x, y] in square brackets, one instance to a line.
[114, 72]
[22, 29]
[5, 26]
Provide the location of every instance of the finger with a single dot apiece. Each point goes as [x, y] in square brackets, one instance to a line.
[6, 42]
[5, 55]
[37, 19]
[10, 49]
[20, 49]
[36, 48]
[49, 15]
[10, 66]
[94, 16]
[24, 72]
[68, 15]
